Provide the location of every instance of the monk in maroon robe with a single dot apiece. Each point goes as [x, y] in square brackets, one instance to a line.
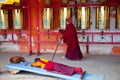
[70, 38]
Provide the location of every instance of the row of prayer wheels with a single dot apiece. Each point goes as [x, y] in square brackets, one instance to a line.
[17, 15]
[83, 17]
[48, 2]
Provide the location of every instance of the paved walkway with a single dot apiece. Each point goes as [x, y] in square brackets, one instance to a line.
[108, 65]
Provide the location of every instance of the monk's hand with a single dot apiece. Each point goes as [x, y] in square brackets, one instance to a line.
[62, 41]
[58, 29]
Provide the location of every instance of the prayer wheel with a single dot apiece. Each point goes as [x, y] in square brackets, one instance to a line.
[102, 17]
[83, 18]
[118, 18]
[64, 13]
[65, 1]
[47, 18]
[47, 2]
[17, 19]
[102, 1]
[83, 1]
[4, 19]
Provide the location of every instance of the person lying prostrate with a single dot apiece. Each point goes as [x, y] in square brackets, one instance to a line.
[54, 66]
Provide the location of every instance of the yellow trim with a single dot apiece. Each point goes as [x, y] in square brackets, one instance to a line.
[9, 2]
[18, 1]
[38, 64]
[43, 59]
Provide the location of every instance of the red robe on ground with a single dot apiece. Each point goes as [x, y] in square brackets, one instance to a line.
[64, 69]
[71, 39]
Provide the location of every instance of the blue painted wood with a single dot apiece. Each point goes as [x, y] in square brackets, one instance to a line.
[26, 66]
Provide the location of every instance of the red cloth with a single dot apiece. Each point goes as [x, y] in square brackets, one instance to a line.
[70, 36]
[79, 70]
[49, 65]
[64, 69]
[58, 67]
[74, 54]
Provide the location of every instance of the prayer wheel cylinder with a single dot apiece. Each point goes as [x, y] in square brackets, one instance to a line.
[102, 1]
[83, 18]
[65, 1]
[102, 17]
[47, 18]
[118, 18]
[17, 19]
[47, 2]
[4, 19]
[83, 1]
[64, 13]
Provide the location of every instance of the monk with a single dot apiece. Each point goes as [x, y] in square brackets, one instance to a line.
[53, 66]
[70, 38]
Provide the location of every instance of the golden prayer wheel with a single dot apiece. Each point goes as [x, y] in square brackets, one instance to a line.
[102, 17]
[102, 1]
[83, 1]
[64, 13]
[83, 18]
[47, 2]
[4, 19]
[47, 18]
[65, 1]
[17, 19]
[118, 18]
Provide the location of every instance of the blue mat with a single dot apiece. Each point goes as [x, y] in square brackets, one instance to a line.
[26, 66]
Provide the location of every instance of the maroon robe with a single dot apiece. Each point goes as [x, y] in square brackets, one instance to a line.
[64, 69]
[58, 67]
[70, 38]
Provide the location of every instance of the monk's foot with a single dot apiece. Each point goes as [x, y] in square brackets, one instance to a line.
[83, 59]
